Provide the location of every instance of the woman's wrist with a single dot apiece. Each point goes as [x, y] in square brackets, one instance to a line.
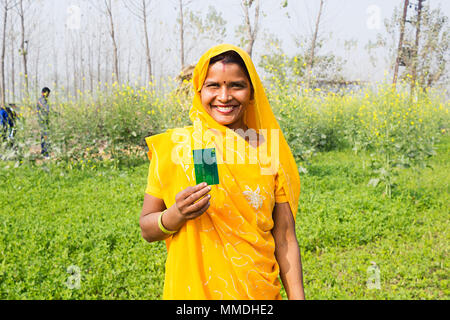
[297, 295]
[172, 220]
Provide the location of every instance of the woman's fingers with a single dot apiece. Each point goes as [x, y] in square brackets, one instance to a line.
[190, 190]
[188, 201]
[197, 193]
[205, 204]
[199, 204]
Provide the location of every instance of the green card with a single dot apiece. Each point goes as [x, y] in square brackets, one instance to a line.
[205, 163]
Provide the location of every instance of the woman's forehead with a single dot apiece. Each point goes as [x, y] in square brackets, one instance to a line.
[230, 69]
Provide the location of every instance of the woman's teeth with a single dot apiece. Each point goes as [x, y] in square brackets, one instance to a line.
[225, 109]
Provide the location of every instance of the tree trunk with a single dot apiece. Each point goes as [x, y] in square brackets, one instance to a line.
[106, 65]
[312, 52]
[36, 72]
[91, 67]
[181, 35]
[55, 65]
[13, 71]
[251, 32]
[75, 71]
[82, 65]
[400, 42]
[416, 47]
[66, 54]
[2, 62]
[113, 38]
[147, 42]
[24, 47]
[99, 59]
[129, 66]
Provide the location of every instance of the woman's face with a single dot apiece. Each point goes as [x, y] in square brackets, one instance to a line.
[226, 93]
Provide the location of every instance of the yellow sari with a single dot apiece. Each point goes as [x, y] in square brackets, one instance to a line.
[228, 252]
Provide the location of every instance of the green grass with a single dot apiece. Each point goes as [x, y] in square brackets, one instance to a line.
[343, 225]
[55, 218]
[52, 217]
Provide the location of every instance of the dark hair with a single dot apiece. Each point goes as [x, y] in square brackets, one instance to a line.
[231, 57]
[45, 89]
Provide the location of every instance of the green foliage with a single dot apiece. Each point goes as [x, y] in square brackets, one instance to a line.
[400, 130]
[108, 125]
[54, 216]
[343, 226]
[373, 163]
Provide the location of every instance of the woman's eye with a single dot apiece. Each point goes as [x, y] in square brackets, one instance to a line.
[212, 85]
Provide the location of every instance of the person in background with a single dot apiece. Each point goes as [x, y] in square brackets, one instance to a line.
[43, 112]
[3, 123]
[7, 121]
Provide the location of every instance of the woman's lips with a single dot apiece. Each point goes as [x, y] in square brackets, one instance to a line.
[224, 109]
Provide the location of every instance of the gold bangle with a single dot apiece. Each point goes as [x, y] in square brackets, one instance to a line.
[161, 227]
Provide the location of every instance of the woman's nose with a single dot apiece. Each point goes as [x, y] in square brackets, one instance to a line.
[224, 95]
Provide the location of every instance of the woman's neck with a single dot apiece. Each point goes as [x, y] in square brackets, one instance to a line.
[238, 125]
[242, 130]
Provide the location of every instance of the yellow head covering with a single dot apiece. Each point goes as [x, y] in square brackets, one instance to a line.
[258, 116]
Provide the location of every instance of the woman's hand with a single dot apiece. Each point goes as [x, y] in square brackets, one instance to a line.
[192, 202]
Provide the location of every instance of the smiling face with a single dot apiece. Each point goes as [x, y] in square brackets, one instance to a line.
[226, 93]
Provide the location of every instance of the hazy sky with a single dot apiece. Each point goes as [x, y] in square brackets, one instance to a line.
[358, 20]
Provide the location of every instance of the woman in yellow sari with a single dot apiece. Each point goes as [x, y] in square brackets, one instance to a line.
[234, 239]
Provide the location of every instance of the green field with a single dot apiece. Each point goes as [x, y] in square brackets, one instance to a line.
[53, 217]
